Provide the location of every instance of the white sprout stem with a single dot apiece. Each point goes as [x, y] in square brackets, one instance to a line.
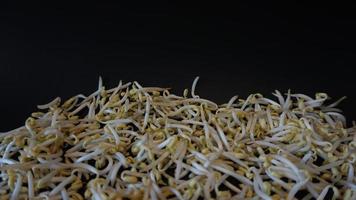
[180, 156]
[280, 97]
[285, 172]
[46, 178]
[54, 118]
[223, 137]
[210, 131]
[81, 107]
[12, 132]
[232, 186]
[257, 185]
[96, 195]
[296, 188]
[232, 157]
[336, 102]
[307, 156]
[61, 186]
[231, 101]
[7, 150]
[89, 156]
[113, 172]
[108, 167]
[181, 109]
[200, 168]
[154, 163]
[213, 105]
[194, 170]
[31, 192]
[196, 194]
[277, 180]
[287, 103]
[194, 86]
[310, 188]
[147, 113]
[7, 161]
[83, 166]
[290, 164]
[118, 122]
[176, 192]
[338, 116]
[246, 102]
[115, 134]
[119, 156]
[119, 87]
[269, 101]
[45, 106]
[91, 112]
[180, 126]
[350, 174]
[324, 192]
[17, 189]
[64, 194]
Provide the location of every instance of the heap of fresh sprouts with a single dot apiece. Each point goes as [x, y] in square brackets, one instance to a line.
[134, 142]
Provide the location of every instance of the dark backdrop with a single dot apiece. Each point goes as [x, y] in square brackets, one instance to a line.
[60, 50]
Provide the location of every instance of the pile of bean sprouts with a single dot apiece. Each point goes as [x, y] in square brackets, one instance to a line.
[134, 142]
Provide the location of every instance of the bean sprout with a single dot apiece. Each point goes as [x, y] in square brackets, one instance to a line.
[135, 142]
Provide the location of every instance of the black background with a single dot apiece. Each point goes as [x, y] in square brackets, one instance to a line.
[60, 50]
